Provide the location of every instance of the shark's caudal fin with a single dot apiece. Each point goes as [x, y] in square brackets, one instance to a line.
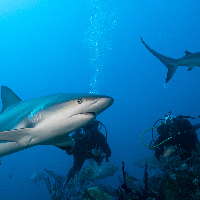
[9, 98]
[170, 63]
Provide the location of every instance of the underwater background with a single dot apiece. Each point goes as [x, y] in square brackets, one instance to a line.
[49, 47]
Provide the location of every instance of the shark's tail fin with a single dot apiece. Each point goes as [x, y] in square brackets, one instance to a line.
[171, 70]
[170, 63]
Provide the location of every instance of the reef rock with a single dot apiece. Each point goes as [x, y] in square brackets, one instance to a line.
[97, 194]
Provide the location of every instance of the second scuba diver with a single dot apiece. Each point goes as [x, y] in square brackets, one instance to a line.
[175, 133]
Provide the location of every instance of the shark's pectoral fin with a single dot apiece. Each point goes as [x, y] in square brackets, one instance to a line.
[21, 136]
[190, 67]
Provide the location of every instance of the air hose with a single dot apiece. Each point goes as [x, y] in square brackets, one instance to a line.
[152, 147]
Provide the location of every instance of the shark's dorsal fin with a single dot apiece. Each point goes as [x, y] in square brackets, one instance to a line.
[187, 53]
[9, 98]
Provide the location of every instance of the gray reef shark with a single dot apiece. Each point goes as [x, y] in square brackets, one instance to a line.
[99, 172]
[104, 170]
[151, 162]
[190, 60]
[46, 120]
[37, 176]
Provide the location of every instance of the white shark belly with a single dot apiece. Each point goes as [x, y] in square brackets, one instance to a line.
[11, 147]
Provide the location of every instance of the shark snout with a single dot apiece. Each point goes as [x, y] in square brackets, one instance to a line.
[109, 101]
[102, 104]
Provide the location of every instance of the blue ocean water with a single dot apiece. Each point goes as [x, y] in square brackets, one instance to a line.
[49, 47]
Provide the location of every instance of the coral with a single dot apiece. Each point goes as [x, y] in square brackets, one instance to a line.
[178, 185]
[80, 183]
[180, 178]
[97, 194]
[80, 187]
[84, 177]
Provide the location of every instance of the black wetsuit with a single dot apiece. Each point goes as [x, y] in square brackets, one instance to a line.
[93, 139]
[183, 136]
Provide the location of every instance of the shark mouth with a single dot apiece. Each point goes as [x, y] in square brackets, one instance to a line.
[87, 113]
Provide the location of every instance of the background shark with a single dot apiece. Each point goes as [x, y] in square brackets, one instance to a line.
[37, 176]
[190, 60]
[46, 120]
[99, 172]
[151, 161]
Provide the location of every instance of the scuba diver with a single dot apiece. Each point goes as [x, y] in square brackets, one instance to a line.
[175, 133]
[89, 143]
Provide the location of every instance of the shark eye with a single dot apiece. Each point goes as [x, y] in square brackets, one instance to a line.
[80, 101]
